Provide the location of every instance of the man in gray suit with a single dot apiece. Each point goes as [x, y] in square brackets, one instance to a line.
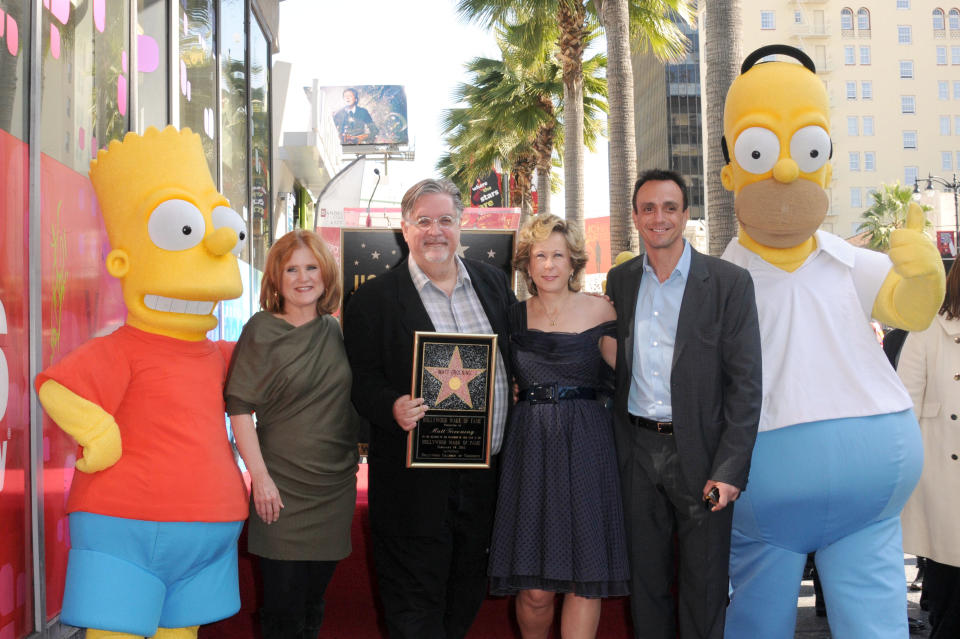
[686, 410]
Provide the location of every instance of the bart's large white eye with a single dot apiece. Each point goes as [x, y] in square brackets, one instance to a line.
[810, 148]
[757, 150]
[224, 216]
[176, 225]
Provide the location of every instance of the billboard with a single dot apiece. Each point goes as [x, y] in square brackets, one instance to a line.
[368, 114]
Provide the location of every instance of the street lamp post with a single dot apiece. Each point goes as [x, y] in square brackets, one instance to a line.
[950, 185]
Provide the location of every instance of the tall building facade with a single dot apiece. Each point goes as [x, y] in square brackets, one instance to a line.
[892, 71]
[668, 118]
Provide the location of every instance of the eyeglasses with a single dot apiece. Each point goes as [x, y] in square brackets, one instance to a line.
[425, 223]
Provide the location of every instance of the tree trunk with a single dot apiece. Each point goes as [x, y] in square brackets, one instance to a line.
[721, 31]
[543, 150]
[572, 19]
[622, 154]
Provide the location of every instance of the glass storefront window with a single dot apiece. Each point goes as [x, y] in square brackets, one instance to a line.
[261, 194]
[233, 114]
[152, 19]
[198, 74]
[16, 577]
[85, 79]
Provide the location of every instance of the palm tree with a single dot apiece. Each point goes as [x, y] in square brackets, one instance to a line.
[887, 213]
[721, 31]
[566, 23]
[637, 25]
[509, 118]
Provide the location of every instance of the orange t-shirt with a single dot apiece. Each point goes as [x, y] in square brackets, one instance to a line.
[166, 396]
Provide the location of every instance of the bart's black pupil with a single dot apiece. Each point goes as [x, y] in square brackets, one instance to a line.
[186, 230]
[814, 153]
[243, 235]
[755, 155]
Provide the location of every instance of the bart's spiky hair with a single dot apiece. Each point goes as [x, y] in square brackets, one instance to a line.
[126, 173]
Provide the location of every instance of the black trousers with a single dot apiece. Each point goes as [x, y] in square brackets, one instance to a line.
[432, 586]
[941, 583]
[293, 596]
[660, 508]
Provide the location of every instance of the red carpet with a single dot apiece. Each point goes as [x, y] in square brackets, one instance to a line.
[352, 609]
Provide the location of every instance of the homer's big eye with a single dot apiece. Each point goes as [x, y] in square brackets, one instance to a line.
[225, 216]
[176, 225]
[810, 148]
[756, 150]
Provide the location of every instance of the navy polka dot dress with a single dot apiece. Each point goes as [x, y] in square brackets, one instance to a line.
[559, 519]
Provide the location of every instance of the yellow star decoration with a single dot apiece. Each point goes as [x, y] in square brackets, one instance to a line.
[453, 378]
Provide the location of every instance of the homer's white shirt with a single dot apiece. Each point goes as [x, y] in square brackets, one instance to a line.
[821, 359]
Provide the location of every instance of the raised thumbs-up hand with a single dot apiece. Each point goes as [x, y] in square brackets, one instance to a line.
[914, 288]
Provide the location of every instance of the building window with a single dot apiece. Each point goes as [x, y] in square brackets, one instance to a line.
[941, 55]
[908, 104]
[954, 19]
[943, 90]
[868, 125]
[767, 20]
[909, 139]
[846, 20]
[866, 90]
[910, 174]
[849, 55]
[944, 125]
[946, 160]
[864, 55]
[956, 125]
[903, 4]
[852, 90]
[906, 69]
[798, 17]
[938, 23]
[954, 55]
[853, 127]
[854, 160]
[956, 90]
[904, 34]
[863, 19]
[869, 161]
[856, 197]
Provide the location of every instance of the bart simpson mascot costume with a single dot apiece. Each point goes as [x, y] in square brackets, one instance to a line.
[839, 448]
[158, 504]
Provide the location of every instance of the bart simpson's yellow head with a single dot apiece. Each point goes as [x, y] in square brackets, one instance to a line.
[776, 127]
[175, 239]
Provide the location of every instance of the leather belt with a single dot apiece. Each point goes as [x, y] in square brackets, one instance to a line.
[664, 428]
[552, 393]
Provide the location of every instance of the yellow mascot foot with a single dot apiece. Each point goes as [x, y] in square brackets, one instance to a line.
[177, 633]
[109, 634]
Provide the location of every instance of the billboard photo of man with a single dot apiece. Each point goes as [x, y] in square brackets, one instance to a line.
[354, 123]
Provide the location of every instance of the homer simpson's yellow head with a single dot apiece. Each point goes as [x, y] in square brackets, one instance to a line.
[175, 239]
[776, 127]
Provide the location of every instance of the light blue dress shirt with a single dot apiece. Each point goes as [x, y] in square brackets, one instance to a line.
[654, 335]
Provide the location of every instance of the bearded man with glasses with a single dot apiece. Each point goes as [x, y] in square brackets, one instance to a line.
[430, 527]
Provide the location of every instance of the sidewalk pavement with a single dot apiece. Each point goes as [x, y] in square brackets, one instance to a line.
[810, 626]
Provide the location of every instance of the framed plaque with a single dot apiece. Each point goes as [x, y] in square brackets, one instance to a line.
[454, 373]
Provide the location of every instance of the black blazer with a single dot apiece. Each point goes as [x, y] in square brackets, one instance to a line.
[715, 380]
[378, 326]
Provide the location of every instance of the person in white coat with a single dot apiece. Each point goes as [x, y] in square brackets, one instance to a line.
[930, 369]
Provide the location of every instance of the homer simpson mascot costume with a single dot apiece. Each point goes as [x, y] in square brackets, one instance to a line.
[839, 448]
[157, 505]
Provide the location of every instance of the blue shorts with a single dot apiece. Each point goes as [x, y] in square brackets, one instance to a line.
[133, 576]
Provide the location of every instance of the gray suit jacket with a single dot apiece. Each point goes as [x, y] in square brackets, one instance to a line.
[715, 381]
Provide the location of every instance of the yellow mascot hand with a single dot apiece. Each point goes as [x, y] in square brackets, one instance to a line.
[913, 290]
[92, 427]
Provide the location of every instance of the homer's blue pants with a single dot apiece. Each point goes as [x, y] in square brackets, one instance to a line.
[835, 487]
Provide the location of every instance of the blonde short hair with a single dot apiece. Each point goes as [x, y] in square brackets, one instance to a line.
[537, 229]
[271, 299]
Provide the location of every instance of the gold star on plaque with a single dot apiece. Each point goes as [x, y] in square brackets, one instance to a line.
[454, 378]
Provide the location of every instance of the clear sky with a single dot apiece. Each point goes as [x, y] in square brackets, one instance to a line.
[422, 45]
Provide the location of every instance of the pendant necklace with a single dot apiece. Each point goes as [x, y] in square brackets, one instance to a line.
[555, 317]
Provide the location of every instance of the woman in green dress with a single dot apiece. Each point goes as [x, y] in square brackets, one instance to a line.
[290, 369]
